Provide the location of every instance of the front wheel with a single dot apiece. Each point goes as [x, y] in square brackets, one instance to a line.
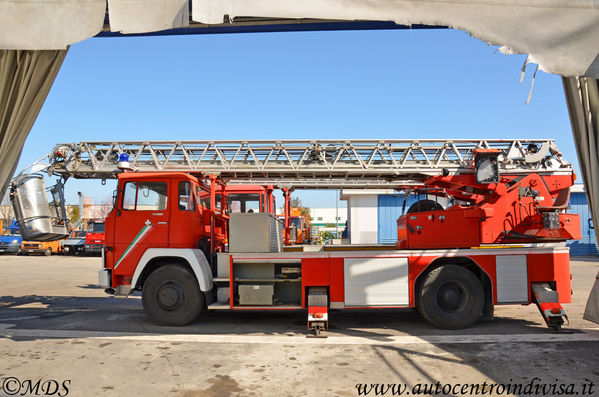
[451, 297]
[48, 251]
[171, 296]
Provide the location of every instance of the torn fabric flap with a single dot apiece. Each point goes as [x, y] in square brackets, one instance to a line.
[561, 36]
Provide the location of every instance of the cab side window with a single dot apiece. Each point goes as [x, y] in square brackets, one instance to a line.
[129, 196]
[186, 200]
[145, 196]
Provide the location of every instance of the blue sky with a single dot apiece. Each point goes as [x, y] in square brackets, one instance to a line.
[352, 84]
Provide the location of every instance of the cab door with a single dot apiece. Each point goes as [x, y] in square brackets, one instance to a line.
[141, 223]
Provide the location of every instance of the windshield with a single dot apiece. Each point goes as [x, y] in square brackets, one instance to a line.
[12, 232]
[78, 233]
[204, 198]
[243, 202]
[297, 222]
[95, 227]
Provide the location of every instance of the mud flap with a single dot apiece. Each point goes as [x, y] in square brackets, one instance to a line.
[547, 301]
[591, 312]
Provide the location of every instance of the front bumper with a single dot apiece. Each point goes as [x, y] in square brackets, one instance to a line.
[32, 251]
[73, 248]
[9, 249]
[94, 248]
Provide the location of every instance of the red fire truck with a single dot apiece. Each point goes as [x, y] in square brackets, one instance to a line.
[94, 237]
[501, 241]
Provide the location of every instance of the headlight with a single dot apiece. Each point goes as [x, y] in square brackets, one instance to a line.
[15, 241]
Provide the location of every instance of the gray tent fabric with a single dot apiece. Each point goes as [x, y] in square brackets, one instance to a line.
[25, 80]
[582, 97]
[47, 24]
[560, 36]
[140, 16]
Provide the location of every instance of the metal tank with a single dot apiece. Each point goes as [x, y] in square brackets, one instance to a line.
[39, 219]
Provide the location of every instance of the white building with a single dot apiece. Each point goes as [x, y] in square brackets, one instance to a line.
[326, 219]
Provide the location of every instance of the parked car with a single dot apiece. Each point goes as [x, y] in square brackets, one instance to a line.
[10, 240]
[75, 244]
[38, 247]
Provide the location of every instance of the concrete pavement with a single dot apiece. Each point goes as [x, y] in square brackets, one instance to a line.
[56, 324]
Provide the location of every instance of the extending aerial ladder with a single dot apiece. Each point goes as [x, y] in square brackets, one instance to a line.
[515, 192]
[311, 164]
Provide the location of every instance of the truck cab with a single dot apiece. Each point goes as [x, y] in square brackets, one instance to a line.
[171, 220]
[300, 227]
[144, 217]
[10, 240]
[155, 212]
[241, 199]
[94, 236]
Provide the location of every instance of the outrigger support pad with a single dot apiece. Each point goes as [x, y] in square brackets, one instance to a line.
[318, 311]
[547, 300]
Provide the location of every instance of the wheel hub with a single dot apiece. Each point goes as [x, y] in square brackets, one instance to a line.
[170, 296]
[450, 297]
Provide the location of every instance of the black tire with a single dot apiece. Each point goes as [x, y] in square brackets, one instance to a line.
[451, 297]
[171, 296]
[424, 205]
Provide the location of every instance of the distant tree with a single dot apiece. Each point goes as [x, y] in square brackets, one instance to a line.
[100, 210]
[105, 207]
[295, 202]
[325, 235]
[73, 213]
[329, 225]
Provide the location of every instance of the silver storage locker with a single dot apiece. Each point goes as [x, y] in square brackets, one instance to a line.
[255, 232]
[256, 294]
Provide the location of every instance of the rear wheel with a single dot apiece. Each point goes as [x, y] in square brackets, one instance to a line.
[451, 297]
[171, 296]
